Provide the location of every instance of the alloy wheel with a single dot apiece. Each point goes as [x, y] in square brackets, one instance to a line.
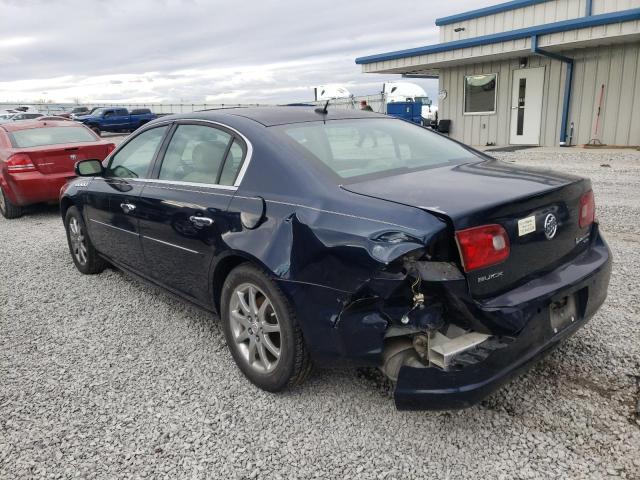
[78, 241]
[255, 328]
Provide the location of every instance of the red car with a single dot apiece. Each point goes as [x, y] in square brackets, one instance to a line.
[37, 158]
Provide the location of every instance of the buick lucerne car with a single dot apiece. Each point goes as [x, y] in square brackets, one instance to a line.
[37, 157]
[334, 237]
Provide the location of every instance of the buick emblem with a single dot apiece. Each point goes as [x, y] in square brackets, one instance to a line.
[73, 157]
[550, 226]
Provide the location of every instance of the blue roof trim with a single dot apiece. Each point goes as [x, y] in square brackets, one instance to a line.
[564, 25]
[492, 10]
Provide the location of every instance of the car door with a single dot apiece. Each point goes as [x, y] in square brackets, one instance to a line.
[111, 210]
[109, 120]
[121, 119]
[184, 216]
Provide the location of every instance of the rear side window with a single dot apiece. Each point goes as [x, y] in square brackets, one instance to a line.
[232, 164]
[200, 154]
[134, 159]
[373, 147]
[36, 137]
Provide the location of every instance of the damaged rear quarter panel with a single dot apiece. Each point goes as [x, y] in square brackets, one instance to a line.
[323, 257]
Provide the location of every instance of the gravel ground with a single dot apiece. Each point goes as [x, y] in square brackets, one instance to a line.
[104, 377]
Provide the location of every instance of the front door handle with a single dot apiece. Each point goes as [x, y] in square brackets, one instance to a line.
[201, 221]
[127, 207]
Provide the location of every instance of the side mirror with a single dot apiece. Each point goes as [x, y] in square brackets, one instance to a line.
[89, 168]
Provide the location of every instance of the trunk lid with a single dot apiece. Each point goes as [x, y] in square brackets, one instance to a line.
[50, 159]
[493, 192]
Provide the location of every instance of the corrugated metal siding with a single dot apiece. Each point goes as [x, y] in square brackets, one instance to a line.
[512, 47]
[612, 32]
[591, 33]
[617, 67]
[539, 14]
[547, 12]
[608, 6]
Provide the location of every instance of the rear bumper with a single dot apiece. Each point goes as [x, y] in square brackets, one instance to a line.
[587, 277]
[34, 187]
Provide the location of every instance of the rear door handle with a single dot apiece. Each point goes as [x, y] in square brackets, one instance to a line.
[127, 207]
[201, 221]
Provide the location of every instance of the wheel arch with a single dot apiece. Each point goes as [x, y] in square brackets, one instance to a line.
[65, 204]
[223, 268]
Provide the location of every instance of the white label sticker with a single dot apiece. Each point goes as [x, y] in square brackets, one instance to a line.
[526, 225]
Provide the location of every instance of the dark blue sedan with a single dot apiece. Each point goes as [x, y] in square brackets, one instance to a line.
[344, 237]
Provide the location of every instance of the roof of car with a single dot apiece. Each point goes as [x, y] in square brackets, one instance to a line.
[36, 123]
[269, 116]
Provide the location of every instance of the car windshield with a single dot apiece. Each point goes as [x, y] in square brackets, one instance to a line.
[97, 112]
[376, 146]
[35, 137]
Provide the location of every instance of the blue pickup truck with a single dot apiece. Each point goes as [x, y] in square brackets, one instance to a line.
[110, 119]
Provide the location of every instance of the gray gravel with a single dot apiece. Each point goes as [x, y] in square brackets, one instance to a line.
[104, 377]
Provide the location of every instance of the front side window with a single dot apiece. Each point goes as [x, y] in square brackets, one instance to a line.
[134, 159]
[480, 93]
[200, 154]
[373, 147]
[35, 137]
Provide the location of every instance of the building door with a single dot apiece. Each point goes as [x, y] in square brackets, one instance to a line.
[526, 106]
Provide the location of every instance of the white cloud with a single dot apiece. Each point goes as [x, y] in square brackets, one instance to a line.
[195, 51]
[10, 42]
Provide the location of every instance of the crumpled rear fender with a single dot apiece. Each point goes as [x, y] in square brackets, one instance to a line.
[346, 286]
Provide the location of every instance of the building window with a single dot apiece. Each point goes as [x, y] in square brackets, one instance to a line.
[480, 94]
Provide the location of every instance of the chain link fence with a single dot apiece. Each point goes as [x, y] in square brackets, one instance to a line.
[166, 108]
[376, 102]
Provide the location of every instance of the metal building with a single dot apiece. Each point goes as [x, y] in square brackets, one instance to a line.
[533, 72]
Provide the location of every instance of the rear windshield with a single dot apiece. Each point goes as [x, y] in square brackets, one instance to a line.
[374, 147]
[35, 137]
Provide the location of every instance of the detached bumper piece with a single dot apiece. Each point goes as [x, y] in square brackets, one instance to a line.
[553, 318]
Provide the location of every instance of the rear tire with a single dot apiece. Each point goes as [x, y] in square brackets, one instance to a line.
[261, 330]
[85, 257]
[8, 209]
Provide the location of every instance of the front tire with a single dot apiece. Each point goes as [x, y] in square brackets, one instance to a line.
[261, 330]
[8, 209]
[85, 257]
[96, 130]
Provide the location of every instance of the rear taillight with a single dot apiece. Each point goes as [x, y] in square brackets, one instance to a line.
[482, 247]
[587, 209]
[19, 163]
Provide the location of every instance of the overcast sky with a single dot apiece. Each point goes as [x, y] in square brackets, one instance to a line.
[195, 50]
